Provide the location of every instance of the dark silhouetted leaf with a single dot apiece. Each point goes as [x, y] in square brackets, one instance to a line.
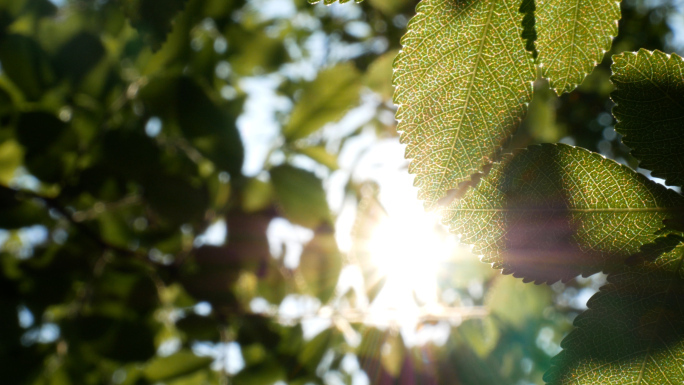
[650, 110]
[26, 64]
[633, 332]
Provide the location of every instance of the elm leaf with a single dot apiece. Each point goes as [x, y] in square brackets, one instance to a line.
[649, 92]
[463, 80]
[552, 212]
[572, 36]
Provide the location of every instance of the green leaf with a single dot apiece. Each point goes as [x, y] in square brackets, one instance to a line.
[300, 195]
[153, 18]
[328, 2]
[649, 92]
[178, 364]
[321, 264]
[210, 126]
[514, 302]
[320, 155]
[633, 332]
[378, 77]
[555, 211]
[463, 80]
[334, 91]
[78, 56]
[26, 64]
[572, 37]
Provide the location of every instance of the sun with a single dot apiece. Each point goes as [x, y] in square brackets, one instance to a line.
[408, 249]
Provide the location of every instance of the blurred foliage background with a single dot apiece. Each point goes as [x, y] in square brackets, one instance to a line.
[190, 191]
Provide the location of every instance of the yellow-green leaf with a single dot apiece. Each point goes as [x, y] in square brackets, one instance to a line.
[552, 212]
[334, 91]
[463, 80]
[572, 36]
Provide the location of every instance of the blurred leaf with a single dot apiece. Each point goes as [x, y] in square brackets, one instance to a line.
[130, 153]
[196, 327]
[378, 77]
[515, 302]
[334, 91]
[321, 264]
[455, 108]
[78, 56]
[313, 351]
[245, 60]
[47, 142]
[300, 195]
[552, 212]
[650, 110]
[393, 353]
[320, 155]
[210, 127]
[26, 64]
[175, 365]
[482, 335]
[36, 131]
[268, 372]
[175, 198]
[391, 7]
[153, 18]
[10, 158]
[257, 195]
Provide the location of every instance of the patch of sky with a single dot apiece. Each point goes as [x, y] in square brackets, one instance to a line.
[214, 235]
[227, 356]
[44, 334]
[257, 125]
[153, 127]
[288, 239]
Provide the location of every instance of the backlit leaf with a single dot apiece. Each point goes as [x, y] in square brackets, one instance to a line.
[300, 196]
[555, 211]
[650, 110]
[633, 332]
[320, 265]
[183, 362]
[326, 99]
[572, 37]
[463, 81]
[328, 2]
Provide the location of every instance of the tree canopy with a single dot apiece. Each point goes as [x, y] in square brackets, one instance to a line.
[185, 195]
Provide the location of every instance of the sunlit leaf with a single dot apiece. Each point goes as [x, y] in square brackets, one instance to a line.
[633, 332]
[482, 335]
[463, 80]
[10, 159]
[300, 195]
[553, 212]
[320, 265]
[320, 155]
[178, 364]
[328, 2]
[334, 91]
[650, 110]
[572, 37]
[378, 77]
[515, 302]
